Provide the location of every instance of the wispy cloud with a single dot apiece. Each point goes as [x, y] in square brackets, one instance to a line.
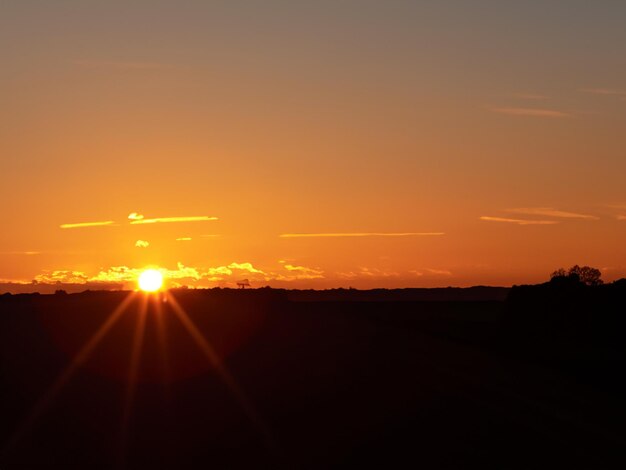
[69, 277]
[119, 64]
[552, 212]
[23, 253]
[604, 91]
[518, 221]
[304, 272]
[142, 244]
[440, 272]
[160, 220]
[621, 217]
[183, 239]
[359, 234]
[532, 112]
[245, 267]
[88, 224]
[366, 272]
[135, 216]
[182, 275]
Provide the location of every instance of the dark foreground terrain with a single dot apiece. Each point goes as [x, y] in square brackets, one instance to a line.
[304, 383]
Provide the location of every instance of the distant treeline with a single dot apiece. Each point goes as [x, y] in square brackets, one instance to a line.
[440, 294]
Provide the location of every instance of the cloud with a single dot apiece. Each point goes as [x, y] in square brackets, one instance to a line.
[119, 65]
[364, 271]
[158, 220]
[440, 272]
[621, 217]
[551, 212]
[220, 270]
[245, 267]
[87, 224]
[302, 272]
[518, 221]
[60, 276]
[117, 274]
[23, 253]
[184, 239]
[437, 272]
[142, 244]
[604, 91]
[135, 216]
[532, 112]
[358, 234]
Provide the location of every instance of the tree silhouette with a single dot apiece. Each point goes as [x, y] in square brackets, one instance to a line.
[585, 274]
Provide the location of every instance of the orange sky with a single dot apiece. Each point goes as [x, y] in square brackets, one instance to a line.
[423, 145]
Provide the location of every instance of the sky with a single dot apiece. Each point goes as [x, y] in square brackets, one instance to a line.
[312, 144]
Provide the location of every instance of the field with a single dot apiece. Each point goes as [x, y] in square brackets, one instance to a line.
[261, 379]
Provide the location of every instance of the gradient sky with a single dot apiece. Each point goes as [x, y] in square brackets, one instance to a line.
[417, 143]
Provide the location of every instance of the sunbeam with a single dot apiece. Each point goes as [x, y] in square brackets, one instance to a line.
[132, 377]
[224, 374]
[162, 339]
[80, 358]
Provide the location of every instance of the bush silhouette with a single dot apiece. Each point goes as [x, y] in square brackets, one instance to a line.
[586, 274]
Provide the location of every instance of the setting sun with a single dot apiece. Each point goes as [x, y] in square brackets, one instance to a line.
[150, 280]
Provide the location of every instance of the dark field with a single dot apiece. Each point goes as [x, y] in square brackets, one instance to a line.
[301, 384]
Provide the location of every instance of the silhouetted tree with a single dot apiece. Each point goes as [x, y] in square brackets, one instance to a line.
[558, 273]
[585, 274]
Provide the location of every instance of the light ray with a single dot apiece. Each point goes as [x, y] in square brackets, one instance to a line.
[132, 374]
[80, 358]
[162, 338]
[208, 351]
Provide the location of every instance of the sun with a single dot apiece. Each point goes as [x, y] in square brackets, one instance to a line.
[150, 280]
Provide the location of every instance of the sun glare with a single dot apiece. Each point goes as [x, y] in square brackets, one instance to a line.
[150, 280]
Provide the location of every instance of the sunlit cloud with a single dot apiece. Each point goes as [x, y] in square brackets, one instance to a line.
[366, 272]
[218, 271]
[436, 272]
[604, 91]
[142, 244]
[621, 217]
[68, 277]
[440, 272]
[118, 277]
[22, 253]
[184, 239]
[245, 267]
[119, 65]
[532, 112]
[518, 221]
[302, 272]
[359, 234]
[135, 216]
[551, 212]
[88, 224]
[159, 220]
[210, 235]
